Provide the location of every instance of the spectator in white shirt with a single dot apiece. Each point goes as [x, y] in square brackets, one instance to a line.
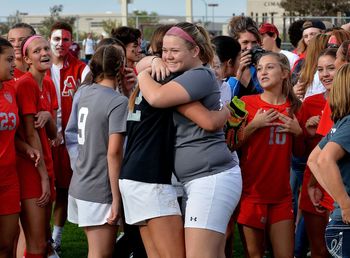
[89, 45]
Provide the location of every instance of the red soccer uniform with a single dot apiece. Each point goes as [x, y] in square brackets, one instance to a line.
[326, 122]
[8, 124]
[312, 106]
[17, 74]
[9, 187]
[265, 160]
[30, 101]
[49, 100]
[323, 128]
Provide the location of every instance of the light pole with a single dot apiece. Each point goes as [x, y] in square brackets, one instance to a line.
[89, 22]
[213, 6]
[19, 16]
[206, 11]
[124, 11]
[77, 28]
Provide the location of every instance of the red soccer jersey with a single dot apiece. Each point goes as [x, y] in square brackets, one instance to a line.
[265, 160]
[326, 122]
[30, 101]
[18, 74]
[312, 106]
[48, 96]
[8, 124]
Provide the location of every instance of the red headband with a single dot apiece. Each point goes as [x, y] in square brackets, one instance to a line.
[176, 31]
[29, 40]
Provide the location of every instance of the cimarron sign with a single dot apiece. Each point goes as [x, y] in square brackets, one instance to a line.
[272, 4]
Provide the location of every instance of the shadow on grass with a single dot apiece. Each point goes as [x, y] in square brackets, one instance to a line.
[74, 243]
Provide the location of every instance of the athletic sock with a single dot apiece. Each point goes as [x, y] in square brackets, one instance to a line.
[57, 235]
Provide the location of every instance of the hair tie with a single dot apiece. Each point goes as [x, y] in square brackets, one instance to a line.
[176, 31]
[29, 40]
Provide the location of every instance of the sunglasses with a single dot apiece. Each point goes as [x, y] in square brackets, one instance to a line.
[330, 45]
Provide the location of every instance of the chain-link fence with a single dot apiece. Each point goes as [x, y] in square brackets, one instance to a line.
[102, 24]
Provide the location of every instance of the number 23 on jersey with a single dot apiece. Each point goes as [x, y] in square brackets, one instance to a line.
[7, 121]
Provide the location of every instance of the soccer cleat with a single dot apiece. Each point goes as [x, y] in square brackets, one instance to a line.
[53, 254]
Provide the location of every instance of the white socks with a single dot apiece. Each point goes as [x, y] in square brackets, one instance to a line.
[57, 235]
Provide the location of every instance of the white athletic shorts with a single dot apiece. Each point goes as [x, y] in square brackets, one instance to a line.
[177, 185]
[210, 201]
[85, 213]
[144, 201]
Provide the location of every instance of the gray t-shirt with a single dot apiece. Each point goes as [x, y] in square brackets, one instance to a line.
[199, 153]
[340, 134]
[101, 112]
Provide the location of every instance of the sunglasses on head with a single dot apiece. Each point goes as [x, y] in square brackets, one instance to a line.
[330, 45]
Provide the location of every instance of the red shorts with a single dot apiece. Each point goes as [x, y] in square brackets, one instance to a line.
[9, 199]
[305, 202]
[30, 181]
[257, 215]
[61, 163]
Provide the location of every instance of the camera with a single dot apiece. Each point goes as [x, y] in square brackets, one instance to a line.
[256, 53]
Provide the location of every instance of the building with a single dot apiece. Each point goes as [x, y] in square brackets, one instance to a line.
[94, 22]
[267, 11]
[84, 23]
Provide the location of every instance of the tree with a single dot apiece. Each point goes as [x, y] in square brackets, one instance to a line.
[315, 7]
[109, 24]
[144, 21]
[4, 28]
[138, 18]
[54, 17]
[12, 19]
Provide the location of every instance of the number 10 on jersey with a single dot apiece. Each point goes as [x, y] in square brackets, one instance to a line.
[277, 137]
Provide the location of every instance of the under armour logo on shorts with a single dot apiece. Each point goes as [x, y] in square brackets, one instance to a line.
[193, 219]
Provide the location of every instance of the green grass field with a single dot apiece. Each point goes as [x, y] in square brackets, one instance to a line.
[74, 244]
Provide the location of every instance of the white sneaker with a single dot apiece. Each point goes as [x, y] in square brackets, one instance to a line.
[56, 247]
[53, 254]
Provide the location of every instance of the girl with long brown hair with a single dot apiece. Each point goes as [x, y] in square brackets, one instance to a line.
[272, 129]
[94, 198]
[329, 162]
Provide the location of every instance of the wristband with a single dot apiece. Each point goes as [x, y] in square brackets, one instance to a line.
[221, 105]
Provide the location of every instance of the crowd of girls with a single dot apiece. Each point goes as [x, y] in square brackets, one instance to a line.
[32, 110]
[127, 140]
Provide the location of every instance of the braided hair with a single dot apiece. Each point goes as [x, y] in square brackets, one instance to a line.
[107, 63]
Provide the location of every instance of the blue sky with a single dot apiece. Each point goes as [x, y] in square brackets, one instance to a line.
[166, 7]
